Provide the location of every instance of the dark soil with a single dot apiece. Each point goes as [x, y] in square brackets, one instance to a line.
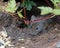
[20, 37]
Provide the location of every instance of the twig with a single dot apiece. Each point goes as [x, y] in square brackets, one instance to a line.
[39, 19]
[44, 18]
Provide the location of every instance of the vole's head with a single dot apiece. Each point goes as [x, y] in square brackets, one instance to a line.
[35, 27]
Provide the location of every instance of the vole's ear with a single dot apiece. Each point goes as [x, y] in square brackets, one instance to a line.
[33, 17]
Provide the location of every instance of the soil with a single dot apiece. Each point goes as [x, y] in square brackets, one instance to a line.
[20, 37]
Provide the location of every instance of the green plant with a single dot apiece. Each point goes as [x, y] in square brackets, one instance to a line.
[11, 6]
[20, 14]
[28, 4]
[56, 3]
[55, 10]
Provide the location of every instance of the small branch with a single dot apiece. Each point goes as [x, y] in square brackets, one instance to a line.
[24, 10]
[44, 18]
[39, 19]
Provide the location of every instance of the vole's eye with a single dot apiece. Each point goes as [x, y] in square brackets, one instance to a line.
[36, 28]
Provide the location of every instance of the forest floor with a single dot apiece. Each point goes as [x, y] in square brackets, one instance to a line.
[46, 40]
[14, 37]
